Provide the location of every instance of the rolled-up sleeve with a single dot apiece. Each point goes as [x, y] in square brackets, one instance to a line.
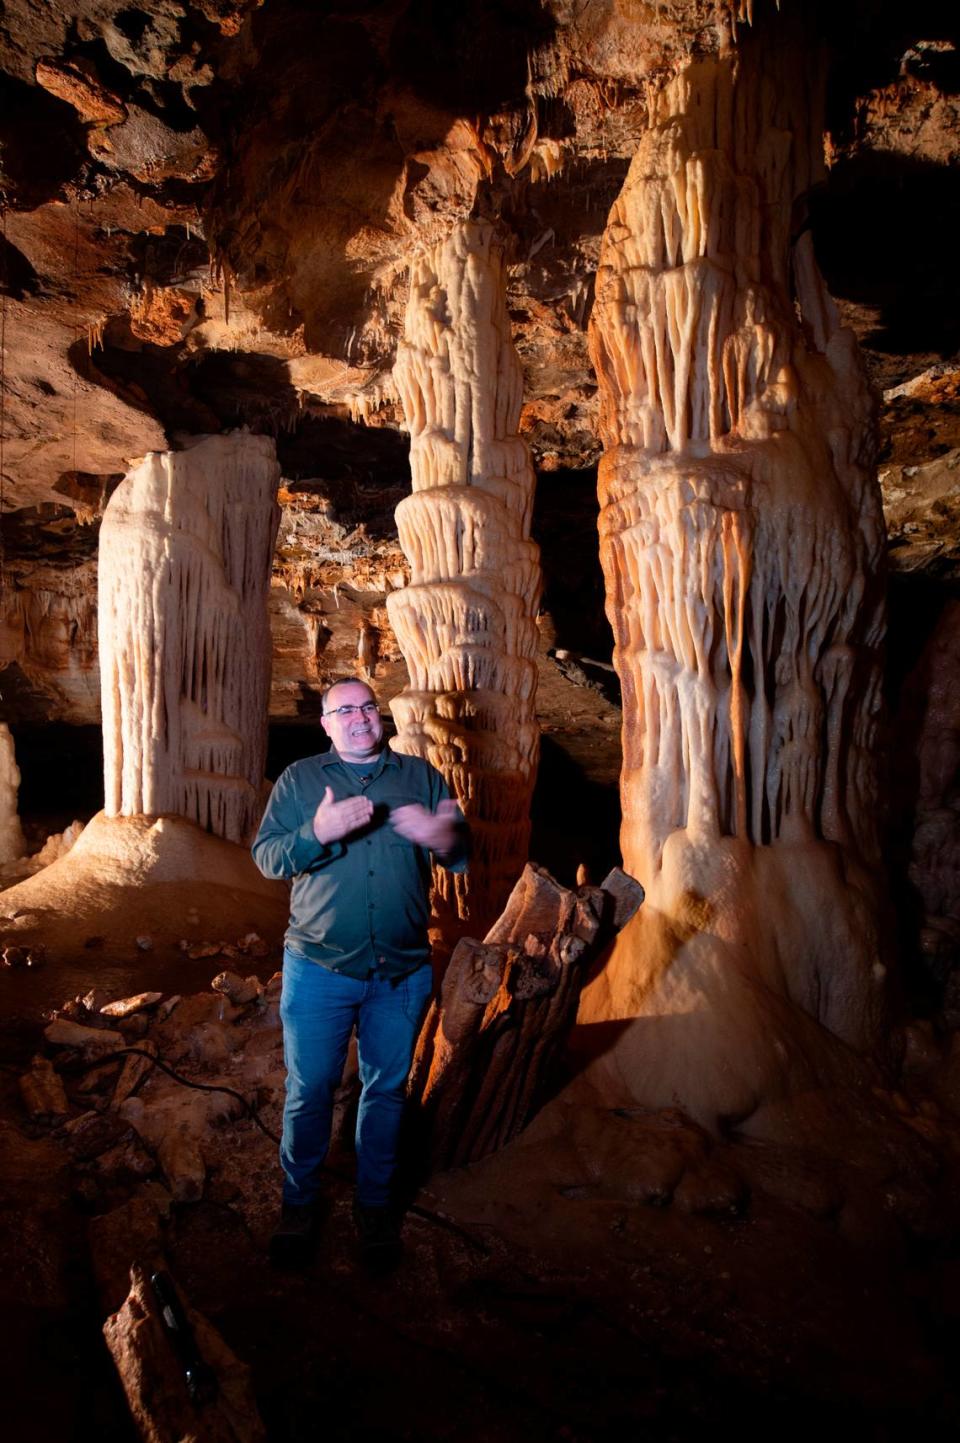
[285, 844]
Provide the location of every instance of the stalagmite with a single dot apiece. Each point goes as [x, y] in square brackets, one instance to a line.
[741, 534]
[12, 845]
[467, 622]
[185, 555]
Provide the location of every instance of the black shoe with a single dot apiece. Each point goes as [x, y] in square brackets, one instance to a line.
[378, 1231]
[291, 1245]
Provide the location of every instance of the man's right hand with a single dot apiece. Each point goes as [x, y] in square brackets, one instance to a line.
[334, 820]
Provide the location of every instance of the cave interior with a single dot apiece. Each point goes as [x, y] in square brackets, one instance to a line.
[585, 378]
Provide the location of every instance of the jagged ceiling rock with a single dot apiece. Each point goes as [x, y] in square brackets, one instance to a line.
[310, 147]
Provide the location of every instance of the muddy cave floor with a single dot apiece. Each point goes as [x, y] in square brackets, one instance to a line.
[583, 1318]
[538, 1312]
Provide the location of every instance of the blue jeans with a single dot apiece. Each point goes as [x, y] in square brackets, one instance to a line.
[319, 1009]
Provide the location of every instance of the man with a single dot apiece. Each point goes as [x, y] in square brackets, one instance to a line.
[354, 828]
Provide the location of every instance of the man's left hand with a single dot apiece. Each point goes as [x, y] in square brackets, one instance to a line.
[436, 831]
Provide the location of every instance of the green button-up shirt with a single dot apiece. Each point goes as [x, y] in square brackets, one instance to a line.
[362, 904]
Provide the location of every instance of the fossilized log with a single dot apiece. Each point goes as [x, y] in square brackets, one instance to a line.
[466, 624]
[741, 535]
[505, 1007]
[153, 1377]
[186, 548]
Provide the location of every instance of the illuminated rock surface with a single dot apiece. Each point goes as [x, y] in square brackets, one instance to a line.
[466, 623]
[185, 553]
[741, 533]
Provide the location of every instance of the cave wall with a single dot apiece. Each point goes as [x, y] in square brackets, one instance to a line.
[209, 213]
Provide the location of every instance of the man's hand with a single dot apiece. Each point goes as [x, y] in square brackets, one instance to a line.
[333, 820]
[434, 830]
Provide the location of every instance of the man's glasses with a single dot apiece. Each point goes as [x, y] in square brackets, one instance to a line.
[369, 708]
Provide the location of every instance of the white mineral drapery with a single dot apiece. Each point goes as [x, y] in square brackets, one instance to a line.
[467, 622]
[186, 547]
[741, 534]
[12, 844]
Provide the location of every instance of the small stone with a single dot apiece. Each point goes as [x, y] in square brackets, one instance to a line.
[14, 956]
[627, 894]
[145, 944]
[205, 949]
[127, 1006]
[62, 1032]
[165, 1008]
[240, 990]
[92, 1133]
[253, 945]
[183, 1166]
[42, 1091]
[96, 999]
[128, 1161]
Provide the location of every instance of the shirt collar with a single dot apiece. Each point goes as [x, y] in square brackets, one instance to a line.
[384, 758]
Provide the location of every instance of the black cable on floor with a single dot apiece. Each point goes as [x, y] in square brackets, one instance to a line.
[251, 1111]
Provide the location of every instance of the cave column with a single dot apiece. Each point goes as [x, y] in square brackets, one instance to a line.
[12, 844]
[741, 535]
[466, 624]
[186, 549]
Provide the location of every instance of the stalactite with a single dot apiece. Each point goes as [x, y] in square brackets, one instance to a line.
[467, 622]
[741, 534]
[185, 555]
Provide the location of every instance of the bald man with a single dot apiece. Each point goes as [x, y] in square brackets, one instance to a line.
[355, 829]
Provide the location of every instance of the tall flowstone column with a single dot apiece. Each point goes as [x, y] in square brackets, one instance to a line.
[12, 844]
[741, 535]
[186, 548]
[466, 624]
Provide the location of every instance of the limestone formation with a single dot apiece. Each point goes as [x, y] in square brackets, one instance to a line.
[467, 622]
[185, 558]
[741, 534]
[12, 844]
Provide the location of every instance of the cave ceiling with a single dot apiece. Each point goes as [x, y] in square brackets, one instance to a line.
[210, 207]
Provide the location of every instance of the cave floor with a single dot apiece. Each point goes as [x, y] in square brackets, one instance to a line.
[607, 1320]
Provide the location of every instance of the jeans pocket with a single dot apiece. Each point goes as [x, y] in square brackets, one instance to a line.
[415, 989]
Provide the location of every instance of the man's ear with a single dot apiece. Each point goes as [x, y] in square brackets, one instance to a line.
[325, 724]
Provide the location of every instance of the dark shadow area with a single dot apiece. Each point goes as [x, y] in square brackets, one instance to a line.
[290, 742]
[474, 56]
[363, 471]
[914, 607]
[176, 257]
[41, 144]
[50, 535]
[565, 527]
[147, 378]
[61, 769]
[17, 276]
[574, 820]
[872, 40]
[874, 252]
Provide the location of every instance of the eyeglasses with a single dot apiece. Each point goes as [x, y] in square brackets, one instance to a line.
[369, 708]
